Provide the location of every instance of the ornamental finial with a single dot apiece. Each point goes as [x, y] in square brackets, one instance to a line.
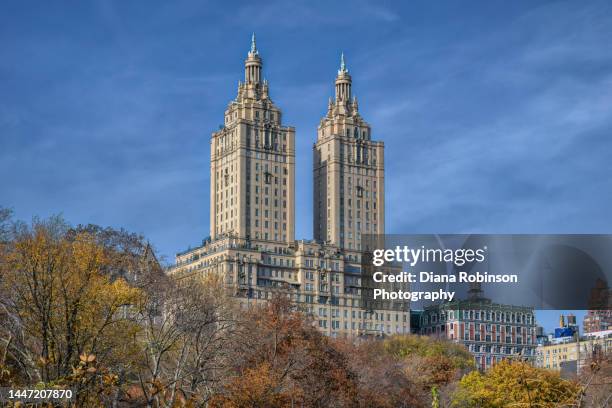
[253, 45]
[342, 69]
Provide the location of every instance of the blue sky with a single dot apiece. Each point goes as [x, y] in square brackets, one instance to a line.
[496, 115]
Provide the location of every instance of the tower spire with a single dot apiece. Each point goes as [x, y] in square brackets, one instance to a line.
[342, 69]
[253, 45]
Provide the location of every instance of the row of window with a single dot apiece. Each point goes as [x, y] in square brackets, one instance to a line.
[493, 349]
[484, 315]
[259, 114]
[335, 325]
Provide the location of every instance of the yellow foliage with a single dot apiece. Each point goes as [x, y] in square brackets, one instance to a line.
[70, 307]
[515, 384]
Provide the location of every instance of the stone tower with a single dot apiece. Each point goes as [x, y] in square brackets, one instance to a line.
[349, 181]
[252, 169]
[252, 246]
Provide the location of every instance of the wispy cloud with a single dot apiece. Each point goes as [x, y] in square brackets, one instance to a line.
[495, 119]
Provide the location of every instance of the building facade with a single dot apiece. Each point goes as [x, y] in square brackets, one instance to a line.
[597, 320]
[570, 355]
[252, 219]
[252, 164]
[599, 317]
[349, 175]
[490, 331]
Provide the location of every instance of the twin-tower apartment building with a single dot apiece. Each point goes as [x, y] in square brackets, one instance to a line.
[252, 243]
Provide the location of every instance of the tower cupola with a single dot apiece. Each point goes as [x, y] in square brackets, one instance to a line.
[343, 83]
[253, 65]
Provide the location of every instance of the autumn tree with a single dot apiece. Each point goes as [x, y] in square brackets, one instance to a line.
[61, 307]
[404, 370]
[434, 361]
[283, 360]
[7, 373]
[382, 379]
[184, 346]
[596, 382]
[515, 384]
[92, 308]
